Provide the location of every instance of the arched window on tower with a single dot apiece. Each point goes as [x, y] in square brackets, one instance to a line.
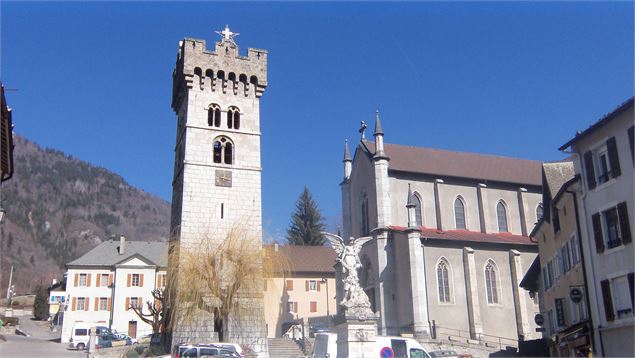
[501, 213]
[223, 151]
[443, 280]
[459, 214]
[491, 283]
[416, 199]
[213, 115]
[233, 117]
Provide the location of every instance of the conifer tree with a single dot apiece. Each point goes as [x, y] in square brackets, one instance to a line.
[41, 304]
[306, 222]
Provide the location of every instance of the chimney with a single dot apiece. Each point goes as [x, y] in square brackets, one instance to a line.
[122, 245]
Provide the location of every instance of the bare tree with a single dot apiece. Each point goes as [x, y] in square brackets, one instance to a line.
[157, 316]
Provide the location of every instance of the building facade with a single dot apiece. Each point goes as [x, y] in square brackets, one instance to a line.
[302, 294]
[603, 159]
[103, 284]
[449, 239]
[217, 167]
[559, 277]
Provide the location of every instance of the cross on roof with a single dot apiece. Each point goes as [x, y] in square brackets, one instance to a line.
[227, 34]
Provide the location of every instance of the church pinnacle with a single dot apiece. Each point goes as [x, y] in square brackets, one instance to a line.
[378, 129]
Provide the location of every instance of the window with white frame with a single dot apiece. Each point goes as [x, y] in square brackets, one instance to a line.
[621, 297]
[103, 303]
[312, 285]
[292, 307]
[611, 227]
[134, 302]
[82, 279]
[501, 214]
[81, 304]
[459, 214]
[443, 280]
[491, 283]
[601, 164]
[104, 280]
[135, 279]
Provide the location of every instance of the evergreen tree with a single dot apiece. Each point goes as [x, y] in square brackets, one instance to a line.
[306, 223]
[41, 304]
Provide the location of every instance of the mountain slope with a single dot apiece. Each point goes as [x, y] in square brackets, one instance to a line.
[59, 207]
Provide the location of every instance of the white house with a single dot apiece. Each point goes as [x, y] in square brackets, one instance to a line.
[106, 281]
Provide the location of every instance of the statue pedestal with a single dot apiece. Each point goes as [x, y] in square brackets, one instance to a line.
[356, 336]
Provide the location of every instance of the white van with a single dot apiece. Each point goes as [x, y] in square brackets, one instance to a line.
[81, 334]
[325, 346]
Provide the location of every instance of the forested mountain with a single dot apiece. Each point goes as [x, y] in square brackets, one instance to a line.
[59, 207]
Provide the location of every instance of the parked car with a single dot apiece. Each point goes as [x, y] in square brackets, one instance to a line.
[188, 350]
[105, 340]
[126, 337]
[81, 334]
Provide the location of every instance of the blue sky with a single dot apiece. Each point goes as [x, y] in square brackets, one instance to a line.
[513, 79]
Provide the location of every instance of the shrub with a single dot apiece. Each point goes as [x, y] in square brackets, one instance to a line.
[132, 354]
[140, 349]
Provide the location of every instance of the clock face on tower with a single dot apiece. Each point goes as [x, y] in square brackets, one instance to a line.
[224, 178]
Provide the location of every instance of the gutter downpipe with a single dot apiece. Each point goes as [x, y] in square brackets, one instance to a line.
[586, 283]
[112, 300]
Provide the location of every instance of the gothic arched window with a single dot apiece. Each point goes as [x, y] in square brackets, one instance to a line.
[539, 212]
[365, 225]
[233, 117]
[418, 209]
[223, 151]
[459, 214]
[501, 214]
[491, 283]
[213, 115]
[443, 280]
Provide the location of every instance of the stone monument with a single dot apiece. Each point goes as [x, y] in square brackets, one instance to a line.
[355, 322]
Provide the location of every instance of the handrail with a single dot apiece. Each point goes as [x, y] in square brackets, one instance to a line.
[481, 337]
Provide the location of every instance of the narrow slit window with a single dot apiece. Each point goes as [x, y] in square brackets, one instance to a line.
[222, 210]
[229, 153]
[230, 119]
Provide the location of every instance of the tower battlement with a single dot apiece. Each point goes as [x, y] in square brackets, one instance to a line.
[223, 69]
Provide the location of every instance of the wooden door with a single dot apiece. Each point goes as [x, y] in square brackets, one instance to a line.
[132, 329]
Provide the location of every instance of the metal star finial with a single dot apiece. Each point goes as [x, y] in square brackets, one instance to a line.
[227, 34]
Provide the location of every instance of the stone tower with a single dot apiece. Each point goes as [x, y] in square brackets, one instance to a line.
[217, 171]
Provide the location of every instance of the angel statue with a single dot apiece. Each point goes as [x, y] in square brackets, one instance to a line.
[355, 300]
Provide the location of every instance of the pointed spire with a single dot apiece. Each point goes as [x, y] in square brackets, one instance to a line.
[410, 203]
[347, 152]
[378, 129]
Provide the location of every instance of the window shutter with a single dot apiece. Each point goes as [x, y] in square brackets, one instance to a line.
[158, 281]
[87, 304]
[614, 159]
[88, 280]
[128, 282]
[76, 280]
[313, 306]
[608, 302]
[306, 285]
[295, 307]
[74, 306]
[98, 280]
[109, 303]
[127, 302]
[597, 232]
[630, 143]
[97, 303]
[630, 287]
[318, 285]
[110, 279]
[140, 280]
[289, 285]
[590, 172]
[625, 228]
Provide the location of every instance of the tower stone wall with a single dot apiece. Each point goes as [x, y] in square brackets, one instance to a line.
[214, 195]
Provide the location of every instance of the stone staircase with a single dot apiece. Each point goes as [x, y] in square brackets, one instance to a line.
[284, 348]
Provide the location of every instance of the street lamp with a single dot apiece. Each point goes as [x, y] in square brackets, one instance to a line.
[325, 282]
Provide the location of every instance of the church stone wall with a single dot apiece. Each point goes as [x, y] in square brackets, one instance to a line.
[362, 181]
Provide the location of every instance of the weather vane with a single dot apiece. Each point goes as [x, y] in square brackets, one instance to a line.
[227, 34]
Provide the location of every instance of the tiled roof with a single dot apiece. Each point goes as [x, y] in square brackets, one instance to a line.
[308, 259]
[461, 164]
[607, 117]
[557, 174]
[107, 254]
[464, 235]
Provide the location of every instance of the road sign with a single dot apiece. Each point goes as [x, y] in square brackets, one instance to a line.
[386, 352]
[575, 294]
[539, 319]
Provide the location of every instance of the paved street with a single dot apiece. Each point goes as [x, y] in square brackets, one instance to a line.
[20, 346]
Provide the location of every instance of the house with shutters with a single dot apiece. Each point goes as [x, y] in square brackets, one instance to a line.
[106, 282]
[603, 159]
[302, 292]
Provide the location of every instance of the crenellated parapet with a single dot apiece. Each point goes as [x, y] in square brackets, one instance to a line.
[223, 70]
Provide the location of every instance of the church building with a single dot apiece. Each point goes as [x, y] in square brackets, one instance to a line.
[449, 239]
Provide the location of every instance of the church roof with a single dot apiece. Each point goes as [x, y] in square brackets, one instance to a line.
[308, 259]
[464, 235]
[461, 164]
